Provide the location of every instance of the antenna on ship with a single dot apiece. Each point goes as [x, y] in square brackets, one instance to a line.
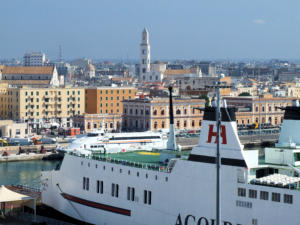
[217, 104]
[171, 141]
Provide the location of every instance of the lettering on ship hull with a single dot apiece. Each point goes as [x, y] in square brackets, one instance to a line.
[192, 220]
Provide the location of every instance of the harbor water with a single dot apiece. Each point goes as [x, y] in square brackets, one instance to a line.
[25, 172]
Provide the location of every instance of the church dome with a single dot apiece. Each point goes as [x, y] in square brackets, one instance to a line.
[90, 67]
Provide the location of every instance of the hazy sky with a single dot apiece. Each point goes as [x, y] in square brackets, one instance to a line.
[190, 29]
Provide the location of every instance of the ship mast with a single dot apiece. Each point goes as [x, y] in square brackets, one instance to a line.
[171, 141]
[218, 158]
[218, 85]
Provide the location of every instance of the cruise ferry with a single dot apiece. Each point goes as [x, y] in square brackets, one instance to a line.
[139, 188]
[99, 141]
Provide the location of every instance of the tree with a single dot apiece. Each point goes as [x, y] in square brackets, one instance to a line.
[244, 94]
[206, 99]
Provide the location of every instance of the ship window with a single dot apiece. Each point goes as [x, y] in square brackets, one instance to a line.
[128, 172]
[288, 199]
[103, 167]
[112, 169]
[130, 193]
[264, 195]
[120, 170]
[166, 179]
[297, 156]
[137, 174]
[155, 177]
[275, 197]
[254, 221]
[115, 190]
[242, 192]
[99, 186]
[86, 183]
[96, 166]
[252, 193]
[147, 197]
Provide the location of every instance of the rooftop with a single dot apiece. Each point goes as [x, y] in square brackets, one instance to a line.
[28, 70]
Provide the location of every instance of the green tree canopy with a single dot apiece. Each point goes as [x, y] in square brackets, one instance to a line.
[244, 94]
[206, 99]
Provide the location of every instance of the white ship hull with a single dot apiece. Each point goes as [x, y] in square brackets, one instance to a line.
[184, 193]
[172, 201]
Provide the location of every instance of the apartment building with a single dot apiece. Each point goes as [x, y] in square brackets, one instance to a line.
[107, 100]
[153, 114]
[41, 105]
[34, 59]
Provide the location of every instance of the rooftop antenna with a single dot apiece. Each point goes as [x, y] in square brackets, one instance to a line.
[60, 53]
[218, 85]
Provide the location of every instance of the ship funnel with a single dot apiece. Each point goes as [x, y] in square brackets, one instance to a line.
[231, 150]
[171, 141]
[290, 126]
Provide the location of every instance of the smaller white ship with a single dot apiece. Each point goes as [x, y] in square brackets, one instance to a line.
[101, 142]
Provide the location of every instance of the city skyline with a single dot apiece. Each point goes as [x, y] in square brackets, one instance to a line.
[177, 30]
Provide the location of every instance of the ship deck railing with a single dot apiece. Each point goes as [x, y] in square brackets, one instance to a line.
[156, 166]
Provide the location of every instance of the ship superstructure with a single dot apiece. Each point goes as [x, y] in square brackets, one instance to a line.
[124, 189]
[98, 141]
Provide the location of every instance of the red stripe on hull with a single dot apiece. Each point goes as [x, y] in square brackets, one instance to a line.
[109, 208]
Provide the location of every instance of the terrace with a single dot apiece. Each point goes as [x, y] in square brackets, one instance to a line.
[150, 160]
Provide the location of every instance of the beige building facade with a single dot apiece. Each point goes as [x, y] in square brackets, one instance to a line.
[105, 122]
[42, 105]
[263, 109]
[153, 114]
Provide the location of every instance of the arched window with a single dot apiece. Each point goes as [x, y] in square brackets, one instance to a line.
[178, 112]
[154, 112]
[155, 125]
[111, 125]
[88, 126]
[162, 112]
[193, 123]
[185, 111]
[178, 123]
[136, 124]
[184, 123]
[200, 123]
[163, 124]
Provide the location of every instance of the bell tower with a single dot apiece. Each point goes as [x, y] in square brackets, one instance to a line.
[144, 55]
